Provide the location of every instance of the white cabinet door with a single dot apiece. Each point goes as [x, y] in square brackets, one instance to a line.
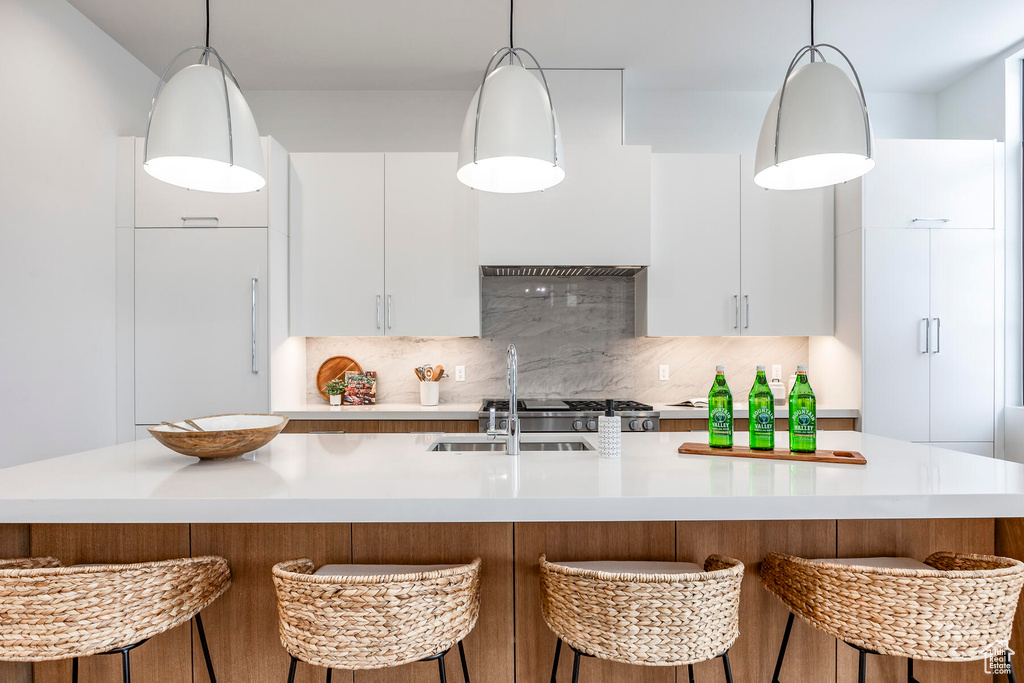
[337, 245]
[431, 276]
[694, 278]
[162, 205]
[194, 340]
[931, 183]
[895, 357]
[963, 335]
[787, 259]
[600, 215]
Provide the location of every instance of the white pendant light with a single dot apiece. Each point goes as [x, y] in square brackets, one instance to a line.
[511, 142]
[201, 133]
[817, 131]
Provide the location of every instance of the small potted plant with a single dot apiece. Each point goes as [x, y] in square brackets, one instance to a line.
[335, 389]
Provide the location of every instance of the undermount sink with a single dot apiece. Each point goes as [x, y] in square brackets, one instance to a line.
[498, 445]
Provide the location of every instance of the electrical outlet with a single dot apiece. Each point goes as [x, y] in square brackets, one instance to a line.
[777, 372]
[460, 373]
[663, 373]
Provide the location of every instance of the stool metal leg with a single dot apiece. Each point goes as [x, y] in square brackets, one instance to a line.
[728, 668]
[462, 658]
[554, 667]
[910, 672]
[206, 648]
[329, 671]
[440, 668]
[291, 670]
[1009, 667]
[862, 658]
[782, 649]
[689, 669]
[127, 666]
[576, 666]
[74, 670]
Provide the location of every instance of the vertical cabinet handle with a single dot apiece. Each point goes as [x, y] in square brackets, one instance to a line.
[938, 334]
[255, 325]
[378, 311]
[927, 335]
[746, 315]
[736, 305]
[389, 311]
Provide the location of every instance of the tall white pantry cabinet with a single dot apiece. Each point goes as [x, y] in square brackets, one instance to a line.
[919, 293]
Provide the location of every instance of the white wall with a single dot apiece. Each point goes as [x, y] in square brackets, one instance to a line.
[68, 90]
[974, 107]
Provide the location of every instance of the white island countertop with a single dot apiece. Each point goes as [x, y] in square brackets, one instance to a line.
[394, 478]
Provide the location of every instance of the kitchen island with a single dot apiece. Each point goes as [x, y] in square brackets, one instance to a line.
[389, 498]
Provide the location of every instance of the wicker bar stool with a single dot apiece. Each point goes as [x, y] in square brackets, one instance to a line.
[647, 613]
[50, 612]
[951, 607]
[354, 617]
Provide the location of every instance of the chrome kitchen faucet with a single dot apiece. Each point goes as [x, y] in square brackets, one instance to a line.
[511, 432]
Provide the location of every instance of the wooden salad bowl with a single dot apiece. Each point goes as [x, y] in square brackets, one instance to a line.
[223, 436]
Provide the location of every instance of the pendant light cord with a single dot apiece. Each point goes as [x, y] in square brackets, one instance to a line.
[812, 20]
[208, 24]
[511, 28]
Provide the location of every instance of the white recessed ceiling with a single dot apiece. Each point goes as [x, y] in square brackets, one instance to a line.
[897, 45]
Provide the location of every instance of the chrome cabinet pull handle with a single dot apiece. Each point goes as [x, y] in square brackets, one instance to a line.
[938, 334]
[736, 305]
[255, 325]
[927, 335]
[389, 311]
[378, 311]
[930, 220]
[746, 318]
[186, 219]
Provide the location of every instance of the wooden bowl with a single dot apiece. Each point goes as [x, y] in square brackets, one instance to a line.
[224, 436]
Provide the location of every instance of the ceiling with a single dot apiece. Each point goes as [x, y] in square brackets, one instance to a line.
[897, 45]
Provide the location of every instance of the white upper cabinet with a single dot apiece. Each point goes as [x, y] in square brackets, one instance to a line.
[600, 215]
[693, 283]
[337, 245]
[787, 259]
[162, 205]
[431, 276]
[931, 184]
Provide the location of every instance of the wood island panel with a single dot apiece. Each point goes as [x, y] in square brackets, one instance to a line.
[1010, 543]
[916, 538]
[167, 657]
[811, 655]
[433, 426]
[340, 426]
[535, 643]
[490, 646]
[242, 626]
[14, 542]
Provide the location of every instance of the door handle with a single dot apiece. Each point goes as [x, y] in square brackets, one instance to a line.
[389, 311]
[746, 315]
[938, 335]
[255, 326]
[736, 305]
[927, 335]
[378, 311]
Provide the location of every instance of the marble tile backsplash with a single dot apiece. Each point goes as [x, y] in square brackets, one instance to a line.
[575, 338]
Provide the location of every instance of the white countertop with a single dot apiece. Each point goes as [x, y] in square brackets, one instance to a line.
[392, 477]
[470, 411]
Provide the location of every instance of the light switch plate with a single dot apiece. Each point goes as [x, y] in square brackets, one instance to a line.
[663, 373]
[460, 373]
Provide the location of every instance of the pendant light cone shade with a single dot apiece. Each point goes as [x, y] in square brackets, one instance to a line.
[823, 135]
[189, 144]
[517, 140]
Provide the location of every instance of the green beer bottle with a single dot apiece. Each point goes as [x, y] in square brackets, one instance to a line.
[803, 420]
[720, 412]
[762, 413]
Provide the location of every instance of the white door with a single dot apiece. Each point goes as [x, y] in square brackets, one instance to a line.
[693, 283]
[337, 245]
[896, 352]
[931, 184]
[787, 261]
[600, 215]
[162, 205]
[963, 335]
[431, 276]
[194, 318]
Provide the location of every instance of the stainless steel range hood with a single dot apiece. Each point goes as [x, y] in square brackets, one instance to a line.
[560, 271]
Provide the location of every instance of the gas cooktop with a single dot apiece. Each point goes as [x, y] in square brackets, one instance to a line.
[569, 414]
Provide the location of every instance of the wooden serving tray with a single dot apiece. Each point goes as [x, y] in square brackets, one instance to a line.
[842, 457]
[334, 367]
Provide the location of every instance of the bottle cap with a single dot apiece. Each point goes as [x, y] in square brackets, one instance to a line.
[760, 368]
[801, 368]
[719, 368]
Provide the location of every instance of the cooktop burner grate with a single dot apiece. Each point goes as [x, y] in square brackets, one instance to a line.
[572, 405]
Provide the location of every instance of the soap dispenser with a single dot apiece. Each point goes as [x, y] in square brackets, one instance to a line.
[609, 432]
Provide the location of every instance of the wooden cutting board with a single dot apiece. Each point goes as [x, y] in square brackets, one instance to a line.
[334, 367]
[842, 457]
